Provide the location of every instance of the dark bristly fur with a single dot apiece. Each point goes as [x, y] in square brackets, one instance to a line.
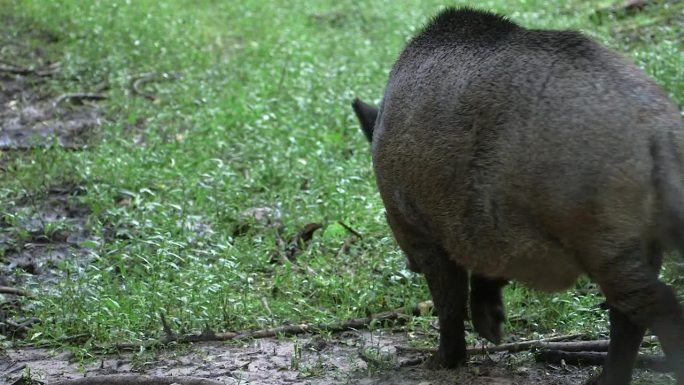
[534, 156]
[464, 23]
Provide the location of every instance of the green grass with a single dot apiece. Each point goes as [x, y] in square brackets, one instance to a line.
[259, 117]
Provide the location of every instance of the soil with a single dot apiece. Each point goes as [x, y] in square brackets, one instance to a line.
[52, 228]
[31, 115]
[359, 357]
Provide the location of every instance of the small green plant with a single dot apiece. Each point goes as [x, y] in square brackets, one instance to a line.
[296, 358]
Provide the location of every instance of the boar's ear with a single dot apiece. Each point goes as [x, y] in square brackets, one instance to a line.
[366, 115]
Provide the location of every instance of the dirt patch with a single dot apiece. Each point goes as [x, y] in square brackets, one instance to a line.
[43, 230]
[46, 229]
[352, 357]
[30, 113]
[40, 121]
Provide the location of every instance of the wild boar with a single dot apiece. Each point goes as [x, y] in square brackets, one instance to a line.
[534, 156]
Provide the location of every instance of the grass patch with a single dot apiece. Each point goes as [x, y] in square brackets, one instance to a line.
[257, 117]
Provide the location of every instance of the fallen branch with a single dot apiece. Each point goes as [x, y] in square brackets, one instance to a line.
[552, 343]
[644, 361]
[79, 96]
[512, 347]
[287, 330]
[15, 291]
[336, 326]
[515, 347]
[205, 336]
[137, 380]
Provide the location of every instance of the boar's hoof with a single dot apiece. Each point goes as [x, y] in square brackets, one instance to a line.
[440, 360]
[487, 318]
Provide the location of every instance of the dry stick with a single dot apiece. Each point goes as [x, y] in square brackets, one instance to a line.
[15, 291]
[510, 347]
[209, 335]
[644, 361]
[78, 96]
[137, 380]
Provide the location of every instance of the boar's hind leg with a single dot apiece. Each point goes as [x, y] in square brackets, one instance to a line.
[448, 285]
[486, 306]
[626, 336]
[638, 300]
[625, 339]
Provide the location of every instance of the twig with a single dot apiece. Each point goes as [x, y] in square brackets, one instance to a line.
[16, 70]
[138, 81]
[78, 96]
[209, 335]
[300, 239]
[644, 361]
[264, 302]
[15, 291]
[351, 230]
[137, 380]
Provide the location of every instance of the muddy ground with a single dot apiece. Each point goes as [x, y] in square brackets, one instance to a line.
[347, 358]
[53, 227]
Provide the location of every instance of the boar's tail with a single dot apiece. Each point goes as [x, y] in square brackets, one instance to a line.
[367, 115]
[669, 187]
